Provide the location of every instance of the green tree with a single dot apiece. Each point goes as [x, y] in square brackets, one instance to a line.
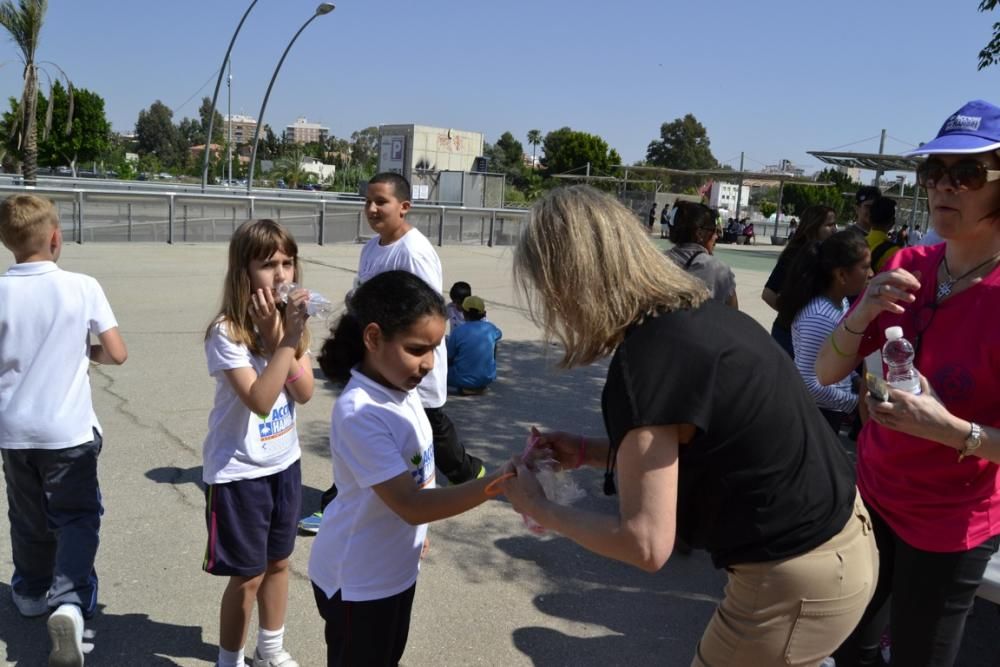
[506, 156]
[364, 148]
[767, 208]
[990, 54]
[24, 23]
[683, 144]
[84, 137]
[156, 134]
[568, 150]
[289, 168]
[534, 138]
[218, 125]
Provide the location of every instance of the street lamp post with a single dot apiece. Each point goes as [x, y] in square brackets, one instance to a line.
[229, 125]
[215, 98]
[322, 9]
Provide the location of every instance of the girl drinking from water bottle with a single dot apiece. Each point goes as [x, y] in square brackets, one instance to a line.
[366, 556]
[255, 349]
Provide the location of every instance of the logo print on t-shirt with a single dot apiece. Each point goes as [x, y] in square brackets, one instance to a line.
[275, 425]
[424, 461]
[953, 383]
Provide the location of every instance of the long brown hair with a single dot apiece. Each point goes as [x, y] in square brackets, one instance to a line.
[254, 239]
[588, 272]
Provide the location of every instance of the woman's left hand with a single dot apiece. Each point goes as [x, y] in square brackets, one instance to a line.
[921, 415]
[523, 490]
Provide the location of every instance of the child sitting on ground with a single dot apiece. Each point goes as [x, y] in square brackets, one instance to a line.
[458, 293]
[472, 348]
[50, 438]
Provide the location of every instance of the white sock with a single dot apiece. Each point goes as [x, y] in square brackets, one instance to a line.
[270, 642]
[231, 658]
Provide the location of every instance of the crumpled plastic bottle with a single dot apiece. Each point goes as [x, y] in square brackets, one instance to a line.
[558, 485]
[317, 305]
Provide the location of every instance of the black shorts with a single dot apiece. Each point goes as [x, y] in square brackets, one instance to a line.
[252, 522]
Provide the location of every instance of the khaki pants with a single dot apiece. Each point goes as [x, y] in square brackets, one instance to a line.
[795, 611]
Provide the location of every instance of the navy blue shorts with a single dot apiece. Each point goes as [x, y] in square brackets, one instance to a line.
[251, 522]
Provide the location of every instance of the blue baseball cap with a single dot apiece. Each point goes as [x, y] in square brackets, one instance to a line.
[975, 128]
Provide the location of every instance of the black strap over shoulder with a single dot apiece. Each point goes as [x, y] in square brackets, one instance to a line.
[690, 261]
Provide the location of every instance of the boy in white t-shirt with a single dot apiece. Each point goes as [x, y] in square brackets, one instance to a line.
[49, 435]
[401, 247]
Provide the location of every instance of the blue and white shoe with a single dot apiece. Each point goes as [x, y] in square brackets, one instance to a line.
[310, 524]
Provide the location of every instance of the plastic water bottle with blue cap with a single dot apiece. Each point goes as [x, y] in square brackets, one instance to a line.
[317, 305]
[898, 356]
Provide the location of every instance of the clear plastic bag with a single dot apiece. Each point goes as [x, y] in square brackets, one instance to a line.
[559, 486]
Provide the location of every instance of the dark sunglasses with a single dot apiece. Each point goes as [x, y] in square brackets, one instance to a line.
[966, 174]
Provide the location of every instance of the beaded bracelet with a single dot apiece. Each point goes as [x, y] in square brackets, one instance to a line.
[840, 353]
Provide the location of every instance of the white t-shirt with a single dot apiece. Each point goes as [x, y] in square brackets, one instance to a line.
[240, 444]
[363, 548]
[46, 318]
[415, 254]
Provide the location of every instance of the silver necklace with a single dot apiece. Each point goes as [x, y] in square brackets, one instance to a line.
[946, 286]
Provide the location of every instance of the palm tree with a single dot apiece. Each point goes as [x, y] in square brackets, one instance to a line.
[534, 138]
[24, 23]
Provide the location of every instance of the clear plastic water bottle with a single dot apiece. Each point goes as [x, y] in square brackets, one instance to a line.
[898, 356]
[317, 305]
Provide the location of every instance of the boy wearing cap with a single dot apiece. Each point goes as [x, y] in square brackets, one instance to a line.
[472, 362]
[864, 199]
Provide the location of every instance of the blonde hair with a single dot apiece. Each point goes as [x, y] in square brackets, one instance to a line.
[254, 239]
[26, 221]
[589, 272]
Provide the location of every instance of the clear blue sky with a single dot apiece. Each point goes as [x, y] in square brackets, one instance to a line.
[773, 78]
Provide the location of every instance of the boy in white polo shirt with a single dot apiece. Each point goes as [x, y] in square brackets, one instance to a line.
[49, 435]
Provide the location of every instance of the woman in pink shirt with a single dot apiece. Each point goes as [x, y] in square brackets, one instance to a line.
[928, 463]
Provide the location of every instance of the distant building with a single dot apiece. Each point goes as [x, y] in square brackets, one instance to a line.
[852, 173]
[304, 132]
[323, 172]
[724, 196]
[243, 128]
[785, 167]
[442, 164]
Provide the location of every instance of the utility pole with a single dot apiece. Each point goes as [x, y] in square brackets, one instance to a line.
[739, 188]
[881, 150]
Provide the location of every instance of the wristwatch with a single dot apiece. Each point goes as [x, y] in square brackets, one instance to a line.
[972, 441]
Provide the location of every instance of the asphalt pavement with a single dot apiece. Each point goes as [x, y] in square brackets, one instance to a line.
[490, 592]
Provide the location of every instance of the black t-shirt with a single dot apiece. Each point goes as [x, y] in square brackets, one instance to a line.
[764, 477]
[776, 282]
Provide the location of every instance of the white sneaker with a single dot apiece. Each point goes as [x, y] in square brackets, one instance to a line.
[30, 607]
[282, 659]
[66, 634]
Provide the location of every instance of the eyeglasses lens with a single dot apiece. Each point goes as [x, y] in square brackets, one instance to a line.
[964, 174]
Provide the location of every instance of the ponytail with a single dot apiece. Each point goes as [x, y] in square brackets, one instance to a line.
[394, 301]
[343, 350]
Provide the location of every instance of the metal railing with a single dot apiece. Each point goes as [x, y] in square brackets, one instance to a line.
[185, 215]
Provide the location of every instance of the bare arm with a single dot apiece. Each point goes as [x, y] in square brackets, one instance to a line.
[886, 291]
[642, 534]
[770, 297]
[301, 388]
[925, 416]
[259, 392]
[416, 506]
[111, 348]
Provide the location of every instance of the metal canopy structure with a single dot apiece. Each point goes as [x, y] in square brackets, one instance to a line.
[878, 162]
[750, 178]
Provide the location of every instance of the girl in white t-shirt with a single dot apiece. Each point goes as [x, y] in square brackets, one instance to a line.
[255, 349]
[365, 559]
